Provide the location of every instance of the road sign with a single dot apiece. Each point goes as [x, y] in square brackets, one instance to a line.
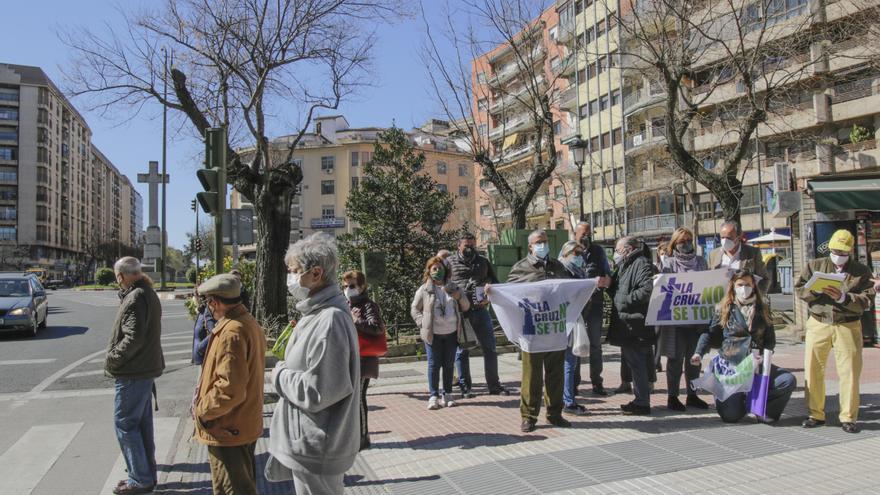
[242, 219]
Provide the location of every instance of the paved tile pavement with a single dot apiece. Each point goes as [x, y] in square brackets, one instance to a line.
[477, 447]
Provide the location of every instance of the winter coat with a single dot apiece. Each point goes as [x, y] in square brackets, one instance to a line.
[761, 331]
[531, 269]
[135, 348]
[470, 274]
[202, 335]
[367, 322]
[229, 406]
[858, 287]
[316, 424]
[422, 312]
[630, 291]
[750, 259]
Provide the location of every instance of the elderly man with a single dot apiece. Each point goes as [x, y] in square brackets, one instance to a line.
[472, 272]
[540, 265]
[134, 359]
[228, 404]
[595, 265]
[630, 291]
[737, 255]
[834, 322]
[315, 431]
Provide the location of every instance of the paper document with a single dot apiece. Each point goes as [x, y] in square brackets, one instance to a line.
[480, 294]
[820, 280]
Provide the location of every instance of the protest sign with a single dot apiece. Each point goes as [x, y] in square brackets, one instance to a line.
[687, 298]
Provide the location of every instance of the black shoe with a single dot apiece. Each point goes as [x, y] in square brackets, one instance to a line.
[527, 426]
[674, 404]
[499, 391]
[365, 443]
[559, 422]
[812, 423]
[849, 427]
[127, 489]
[600, 391]
[575, 410]
[467, 394]
[695, 401]
[624, 388]
[631, 409]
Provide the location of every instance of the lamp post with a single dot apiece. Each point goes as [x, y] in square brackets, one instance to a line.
[578, 149]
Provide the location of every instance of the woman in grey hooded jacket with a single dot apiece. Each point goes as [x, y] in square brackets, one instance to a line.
[315, 431]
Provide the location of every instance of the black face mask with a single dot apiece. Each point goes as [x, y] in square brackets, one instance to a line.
[685, 248]
[586, 240]
[469, 252]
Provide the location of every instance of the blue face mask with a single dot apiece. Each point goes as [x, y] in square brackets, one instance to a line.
[578, 261]
[542, 250]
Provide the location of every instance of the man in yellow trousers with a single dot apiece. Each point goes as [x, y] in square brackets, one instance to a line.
[834, 323]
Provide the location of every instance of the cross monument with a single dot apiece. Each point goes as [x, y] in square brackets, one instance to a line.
[153, 244]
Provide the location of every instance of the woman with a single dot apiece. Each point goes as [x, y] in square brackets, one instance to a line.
[436, 309]
[202, 330]
[371, 330]
[743, 321]
[676, 343]
[314, 434]
[571, 257]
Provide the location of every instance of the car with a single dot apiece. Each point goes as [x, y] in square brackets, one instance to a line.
[23, 304]
[55, 284]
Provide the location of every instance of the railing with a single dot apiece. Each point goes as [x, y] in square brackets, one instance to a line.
[509, 127]
[514, 154]
[853, 90]
[633, 141]
[653, 223]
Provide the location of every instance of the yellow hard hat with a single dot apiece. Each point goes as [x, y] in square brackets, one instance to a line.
[842, 240]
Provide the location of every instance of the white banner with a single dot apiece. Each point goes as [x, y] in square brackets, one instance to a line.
[537, 316]
[686, 298]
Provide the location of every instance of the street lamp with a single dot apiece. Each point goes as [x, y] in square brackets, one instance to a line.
[578, 149]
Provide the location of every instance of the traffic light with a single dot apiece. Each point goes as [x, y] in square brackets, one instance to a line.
[192, 205]
[213, 177]
[198, 243]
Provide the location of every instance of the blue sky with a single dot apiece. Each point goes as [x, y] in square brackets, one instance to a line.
[399, 93]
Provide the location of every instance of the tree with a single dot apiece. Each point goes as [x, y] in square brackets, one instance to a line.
[459, 90]
[399, 211]
[13, 257]
[176, 262]
[240, 64]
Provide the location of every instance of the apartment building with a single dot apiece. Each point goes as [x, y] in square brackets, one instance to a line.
[58, 193]
[332, 157]
[505, 81]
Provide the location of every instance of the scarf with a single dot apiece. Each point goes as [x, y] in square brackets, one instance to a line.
[747, 308]
[684, 262]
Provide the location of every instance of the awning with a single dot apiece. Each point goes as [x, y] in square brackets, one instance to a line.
[509, 141]
[838, 195]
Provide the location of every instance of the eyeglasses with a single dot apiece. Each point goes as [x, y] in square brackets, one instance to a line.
[349, 286]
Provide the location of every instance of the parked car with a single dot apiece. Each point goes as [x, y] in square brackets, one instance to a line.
[55, 284]
[23, 303]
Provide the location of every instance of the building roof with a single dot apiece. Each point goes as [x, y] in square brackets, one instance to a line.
[35, 76]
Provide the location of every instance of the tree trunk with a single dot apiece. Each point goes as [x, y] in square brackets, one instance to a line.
[273, 238]
[518, 212]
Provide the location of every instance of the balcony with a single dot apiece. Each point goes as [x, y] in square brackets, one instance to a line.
[512, 69]
[655, 224]
[510, 156]
[328, 223]
[638, 143]
[515, 125]
[514, 99]
[643, 98]
[565, 32]
[567, 100]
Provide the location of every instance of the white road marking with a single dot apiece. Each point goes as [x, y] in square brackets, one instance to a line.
[61, 394]
[33, 455]
[177, 344]
[176, 315]
[164, 430]
[167, 353]
[11, 362]
[54, 377]
[101, 372]
[177, 337]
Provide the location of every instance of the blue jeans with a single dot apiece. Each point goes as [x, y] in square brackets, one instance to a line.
[638, 358]
[572, 378]
[133, 415]
[594, 332]
[441, 355]
[782, 384]
[481, 322]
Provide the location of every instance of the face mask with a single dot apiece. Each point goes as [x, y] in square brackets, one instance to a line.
[728, 244]
[686, 248]
[542, 250]
[618, 258]
[439, 275]
[297, 291]
[351, 292]
[838, 259]
[743, 291]
[469, 252]
[663, 259]
[586, 240]
[577, 261]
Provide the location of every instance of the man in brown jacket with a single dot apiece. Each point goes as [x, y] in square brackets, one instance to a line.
[737, 255]
[228, 403]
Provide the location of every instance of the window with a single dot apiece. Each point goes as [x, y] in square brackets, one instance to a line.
[581, 73]
[7, 113]
[8, 213]
[355, 158]
[441, 168]
[481, 77]
[484, 183]
[603, 103]
[463, 191]
[482, 129]
[8, 153]
[616, 136]
[328, 187]
[482, 104]
[606, 140]
[11, 133]
[615, 98]
[589, 35]
[42, 155]
[557, 128]
[600, 28]
[594, 144]
[11, 94]
[355, 182]
[327, 163]
[555, 62]
[462, 170]
[584, 111]
[559, 192]
[485, 211]
[591, 71]
[7, 234]
[594, 107]
[8, 193]
[328, 211]
[601, 65]
[442, 187]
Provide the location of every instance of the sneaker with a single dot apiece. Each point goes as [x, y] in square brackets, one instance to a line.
[434, 403]
[447, 401]
[130, 489]
[499, 391]
[527, 426]
[632, 409]
[600, 391]
[467, 394]
[695, 401]
[673, 404]
[575, 409]
[559, 422]
[624, 388]
[812, 423]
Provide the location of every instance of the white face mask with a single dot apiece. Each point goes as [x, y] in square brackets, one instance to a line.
[743, 291]
[297, 291]
[728, 244]
[839, 260]
[351, 292]
[618, 258]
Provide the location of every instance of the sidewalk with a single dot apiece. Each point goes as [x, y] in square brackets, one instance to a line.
[477, 448]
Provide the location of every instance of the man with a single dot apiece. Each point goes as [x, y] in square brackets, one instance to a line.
[630, 291]
[245, 297]
[228, 403]
[134, 359]
[737, 255]
[472, 272]
[537, 266]
[595, 265]
[834, 322]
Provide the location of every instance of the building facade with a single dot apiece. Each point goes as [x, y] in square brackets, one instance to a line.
[58, 193]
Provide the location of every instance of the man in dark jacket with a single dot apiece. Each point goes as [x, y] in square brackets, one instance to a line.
[537, 266]
[737, 255]
[134, 359]
[472, 272]
[630, 291]
[595, 266]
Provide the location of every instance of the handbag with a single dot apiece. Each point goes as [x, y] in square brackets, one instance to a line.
[280, 346]
[373, 345]
[580, 340]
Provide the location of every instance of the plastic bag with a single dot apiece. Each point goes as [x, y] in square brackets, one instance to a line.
[724, 378]
[580, 340]
[280, 346]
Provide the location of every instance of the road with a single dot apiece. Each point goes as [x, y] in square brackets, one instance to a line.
[56, 405]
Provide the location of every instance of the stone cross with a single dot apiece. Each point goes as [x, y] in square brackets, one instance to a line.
[154, 178]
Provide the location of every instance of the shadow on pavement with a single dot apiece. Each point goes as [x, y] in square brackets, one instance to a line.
[468, 440]
[356, 480]
[188, 487]
[188, 467]
[48, 333]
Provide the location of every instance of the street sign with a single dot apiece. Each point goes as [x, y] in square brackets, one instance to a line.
[242, 219]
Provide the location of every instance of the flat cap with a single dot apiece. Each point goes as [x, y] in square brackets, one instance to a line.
[224, 285]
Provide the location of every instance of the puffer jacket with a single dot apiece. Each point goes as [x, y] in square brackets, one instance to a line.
[631, 286]
[135, 348]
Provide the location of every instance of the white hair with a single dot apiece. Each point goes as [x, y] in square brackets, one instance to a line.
[127, 265]
[535, 234]
[316, 250]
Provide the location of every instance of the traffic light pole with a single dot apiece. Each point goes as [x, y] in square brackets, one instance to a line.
[197, 240]
[221, 203]
[213, 179]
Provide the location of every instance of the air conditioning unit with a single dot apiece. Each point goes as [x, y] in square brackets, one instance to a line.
[781, 176]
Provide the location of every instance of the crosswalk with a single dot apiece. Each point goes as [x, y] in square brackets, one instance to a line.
[164, 430]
